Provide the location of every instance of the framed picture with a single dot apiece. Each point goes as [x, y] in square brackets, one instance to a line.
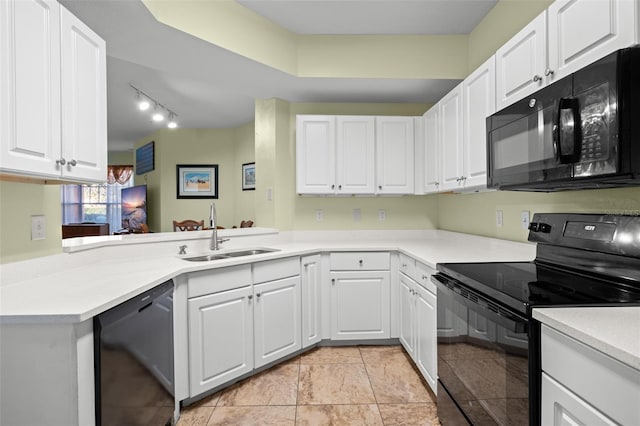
[197, 180]
[249, 176]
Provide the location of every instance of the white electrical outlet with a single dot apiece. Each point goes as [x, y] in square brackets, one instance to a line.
[382, 215]
[269, 194]
[524, 219]
[319, 215]
[38, 228]
[357, 215]
[499, 219]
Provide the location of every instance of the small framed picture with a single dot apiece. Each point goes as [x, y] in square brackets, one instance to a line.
[197, 180]
[249, 176]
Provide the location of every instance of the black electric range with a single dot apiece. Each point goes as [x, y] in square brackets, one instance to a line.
[488, 343]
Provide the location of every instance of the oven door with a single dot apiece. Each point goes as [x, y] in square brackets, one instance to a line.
[483, 359]
[524, 144]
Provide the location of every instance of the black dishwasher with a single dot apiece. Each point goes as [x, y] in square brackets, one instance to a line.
[133, 360]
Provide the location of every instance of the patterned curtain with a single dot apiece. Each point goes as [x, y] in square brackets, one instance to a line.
[119, 174]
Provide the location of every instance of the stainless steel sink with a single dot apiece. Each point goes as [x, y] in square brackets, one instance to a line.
[229, 255]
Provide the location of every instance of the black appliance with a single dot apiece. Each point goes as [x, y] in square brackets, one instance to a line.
[488, 343]
[580, 132]
[133, 360]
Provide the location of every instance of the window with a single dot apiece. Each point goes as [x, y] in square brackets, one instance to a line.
[99, 203]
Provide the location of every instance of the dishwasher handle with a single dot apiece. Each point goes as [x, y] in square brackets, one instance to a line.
[134, 305]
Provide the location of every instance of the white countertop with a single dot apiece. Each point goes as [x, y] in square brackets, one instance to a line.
[87, 282]
[614, 331]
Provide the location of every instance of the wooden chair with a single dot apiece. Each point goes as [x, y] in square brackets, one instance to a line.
[188, 225]
[246, 224]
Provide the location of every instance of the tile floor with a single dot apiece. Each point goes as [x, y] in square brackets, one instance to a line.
[363, 385]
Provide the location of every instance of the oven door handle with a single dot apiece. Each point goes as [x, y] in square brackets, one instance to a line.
[476, 302]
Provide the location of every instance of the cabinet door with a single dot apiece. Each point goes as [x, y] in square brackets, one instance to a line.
[394, 152]
[355, 157]
[581, 32]
[277, 318]
[310, 280]
[480, 328]
[451, 138]
[407, 314]
[426, 345]
[561, 407]
[315, 154]
[521, 62]
[84, 100]
[360, 305]
[30, 87]
[431, 152]
[479, 103]
[220, 338]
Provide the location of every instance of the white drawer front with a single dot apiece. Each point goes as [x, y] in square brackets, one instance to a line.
[607, 384]
[271, 270]
[423, 273]
[216, 280]
[360, 261]
[408, 266]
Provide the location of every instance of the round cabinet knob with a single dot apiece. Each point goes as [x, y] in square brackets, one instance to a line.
[536, 78]
[339, 186]
[258, 295]
[532, 102]
[61, 162]
[437, 183]
[333, 187]
[250, 296]
[360, 262]
[333, 281]
[548, 72]
[73, 163]
[404, 265]
[379, 186]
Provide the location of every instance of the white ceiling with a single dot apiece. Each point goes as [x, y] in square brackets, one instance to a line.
[210, 87]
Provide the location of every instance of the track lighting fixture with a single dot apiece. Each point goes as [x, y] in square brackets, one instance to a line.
[159, 111]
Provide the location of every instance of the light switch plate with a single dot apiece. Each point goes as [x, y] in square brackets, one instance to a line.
[524, 219]
[38, 227]
[357, 215]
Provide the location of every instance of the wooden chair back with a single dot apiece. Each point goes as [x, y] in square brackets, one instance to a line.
[188, 225]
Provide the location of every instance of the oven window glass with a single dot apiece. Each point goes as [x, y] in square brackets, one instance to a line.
[482, 360]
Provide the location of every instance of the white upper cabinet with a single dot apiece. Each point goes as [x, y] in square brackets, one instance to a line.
[84, 100]
[30, 87]
[395, 157]
[479, 97]
[451, 139]
[52, 93]
[427, 150]
[355, 157]
[582, 31]
[315, 154]
[564, 38]
[521, 63]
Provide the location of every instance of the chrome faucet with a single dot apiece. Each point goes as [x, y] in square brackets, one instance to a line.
[215, 241]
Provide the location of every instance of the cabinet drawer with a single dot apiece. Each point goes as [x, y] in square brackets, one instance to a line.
[216, 280]
[360, 261]
[423, 277]
[271, 270]
[408, 266]
[592, 375]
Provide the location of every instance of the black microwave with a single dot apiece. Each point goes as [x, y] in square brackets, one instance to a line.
[581, 132]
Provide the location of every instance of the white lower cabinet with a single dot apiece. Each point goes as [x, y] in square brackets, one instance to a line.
[583, 386]
[220, 338]
[277, 321]
[310, 278]
[360, 305]
[418, 327]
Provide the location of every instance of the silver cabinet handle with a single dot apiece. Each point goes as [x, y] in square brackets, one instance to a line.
[360, 262]
[536, 78]
[306, 265]
[250, 296]
[339, 186]
[61, 162]
[437, 184]
[333, 187]
[424, 277]
[73, 163]
[548, 72]
[333, 281]
[258, 295]
[404, 265]
[379, 186]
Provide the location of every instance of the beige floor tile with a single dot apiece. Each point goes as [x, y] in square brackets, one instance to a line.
[397, 382]
[383, 354]
[334, 384]
[409, 414]
[275, 386]
[332, 355]
[195, 416]
[338, 415]
[209, 401]
[274, 415]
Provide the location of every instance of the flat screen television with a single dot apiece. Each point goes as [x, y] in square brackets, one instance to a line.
[134, 207]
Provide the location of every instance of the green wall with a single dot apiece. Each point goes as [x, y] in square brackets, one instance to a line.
[228, 148]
